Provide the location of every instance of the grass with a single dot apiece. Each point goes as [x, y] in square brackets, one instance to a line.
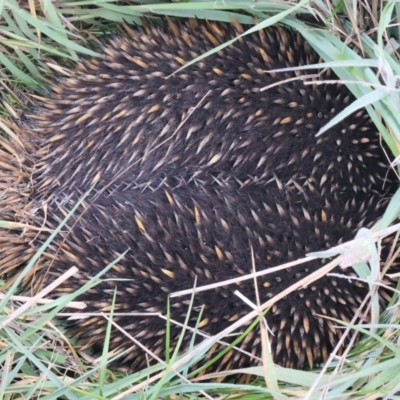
[38, 361]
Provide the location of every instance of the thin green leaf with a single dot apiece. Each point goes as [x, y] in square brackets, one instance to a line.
[18, 73]
[362, 102]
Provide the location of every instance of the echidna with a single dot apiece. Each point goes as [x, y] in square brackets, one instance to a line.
[191, 170]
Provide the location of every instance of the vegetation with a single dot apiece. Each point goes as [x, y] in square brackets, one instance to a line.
[359, 40]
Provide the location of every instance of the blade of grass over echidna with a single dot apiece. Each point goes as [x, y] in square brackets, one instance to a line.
[264, 24]
[333, 64]
[243, 278]
[106, 346]
[174, 356]
[185, 369]
[360, 103]
[207, 15]
[168, 332]
[270, 375]
[392, 212]
[77, 305]
[168, 341]
[230, 346]
[192, 8]
[115, 16]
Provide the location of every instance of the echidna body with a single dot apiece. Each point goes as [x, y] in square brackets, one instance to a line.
[193, 170]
